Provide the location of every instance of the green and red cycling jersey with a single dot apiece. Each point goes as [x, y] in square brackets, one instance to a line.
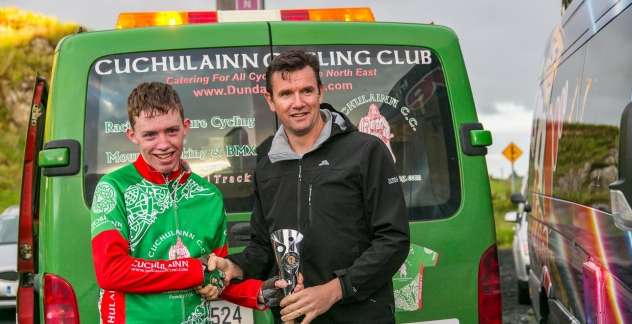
[148, 231]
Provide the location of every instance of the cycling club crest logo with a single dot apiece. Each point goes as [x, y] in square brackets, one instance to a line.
[179, 250]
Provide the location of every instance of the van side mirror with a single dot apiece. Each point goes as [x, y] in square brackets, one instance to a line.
[621, 190]
[511, 216]
[526, 208]
[517, 198]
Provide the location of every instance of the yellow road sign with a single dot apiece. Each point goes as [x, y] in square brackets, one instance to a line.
[512, 152]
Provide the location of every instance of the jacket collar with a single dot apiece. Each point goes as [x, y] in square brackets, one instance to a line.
[335, 123]
[152, 175]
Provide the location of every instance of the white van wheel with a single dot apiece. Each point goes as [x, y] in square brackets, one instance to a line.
[523, 293]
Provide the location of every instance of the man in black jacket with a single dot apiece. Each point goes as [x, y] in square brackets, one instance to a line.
[340, 189]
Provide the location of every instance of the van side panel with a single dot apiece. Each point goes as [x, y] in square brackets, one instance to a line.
[580, 257]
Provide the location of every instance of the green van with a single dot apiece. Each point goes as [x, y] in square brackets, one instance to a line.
[410, 75]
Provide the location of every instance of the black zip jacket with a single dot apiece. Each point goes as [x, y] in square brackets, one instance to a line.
[345, 198]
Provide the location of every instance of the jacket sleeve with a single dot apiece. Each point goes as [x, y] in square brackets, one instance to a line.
[257, 259]
[385, 208]
[117, 270]
[243, 293]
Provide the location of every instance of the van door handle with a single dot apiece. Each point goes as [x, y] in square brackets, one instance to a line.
[60, 158]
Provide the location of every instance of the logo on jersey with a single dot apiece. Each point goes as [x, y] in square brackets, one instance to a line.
[179, 250]
[104, 198]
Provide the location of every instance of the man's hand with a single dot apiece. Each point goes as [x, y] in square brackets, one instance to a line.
[311, 302]
[209, 292]
[204, 260]
[230, 269]
[271, 292]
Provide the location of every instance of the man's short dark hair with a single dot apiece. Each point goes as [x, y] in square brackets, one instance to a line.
[153, 98]
[290, 61]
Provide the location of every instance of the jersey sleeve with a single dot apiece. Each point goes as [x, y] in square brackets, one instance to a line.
[117, 270]
[244, 293]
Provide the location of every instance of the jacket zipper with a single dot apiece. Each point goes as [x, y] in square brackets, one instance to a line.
[310, 204]
[298, 204]
[175, 211]
[174, 198]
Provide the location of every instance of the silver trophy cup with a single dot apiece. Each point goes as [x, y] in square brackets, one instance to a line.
[287, 249]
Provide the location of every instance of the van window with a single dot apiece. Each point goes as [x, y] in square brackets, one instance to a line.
[221, 92]
[9, 229]
[583, 108]
[406, 88]
[606, 95]
[556, 112]
[396, 93]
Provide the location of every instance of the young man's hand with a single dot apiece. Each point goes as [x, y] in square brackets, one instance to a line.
[209, 292]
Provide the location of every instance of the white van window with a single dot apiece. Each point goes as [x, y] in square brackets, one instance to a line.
[396, 93]
[607, 90]
[556, 157]
[580, 106]
[9, 229]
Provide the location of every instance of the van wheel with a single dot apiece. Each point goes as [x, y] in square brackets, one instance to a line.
[544, 320]
[523, 293]
[544, 308]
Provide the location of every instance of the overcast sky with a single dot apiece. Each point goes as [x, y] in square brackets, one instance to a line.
[502, 41]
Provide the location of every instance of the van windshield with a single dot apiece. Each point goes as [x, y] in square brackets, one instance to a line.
[395, 93]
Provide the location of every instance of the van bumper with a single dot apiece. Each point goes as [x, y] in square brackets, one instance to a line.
[7, 302]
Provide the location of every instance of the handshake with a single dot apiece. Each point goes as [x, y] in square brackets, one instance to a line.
[218, 272]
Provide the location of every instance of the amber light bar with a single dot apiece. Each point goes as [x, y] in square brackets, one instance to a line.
[169, 18]
[172, 18]
[340, 14]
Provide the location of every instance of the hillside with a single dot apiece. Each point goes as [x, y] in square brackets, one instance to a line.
[27, 44]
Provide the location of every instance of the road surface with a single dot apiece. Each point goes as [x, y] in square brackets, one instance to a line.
[512, 311]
